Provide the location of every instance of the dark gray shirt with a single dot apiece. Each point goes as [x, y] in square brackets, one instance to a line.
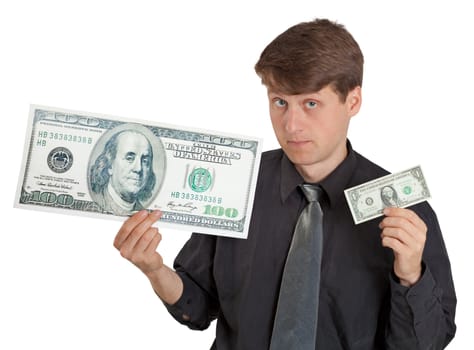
[362, 305]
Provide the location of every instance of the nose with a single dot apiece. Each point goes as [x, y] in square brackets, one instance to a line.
[137, 165]
[293, 119]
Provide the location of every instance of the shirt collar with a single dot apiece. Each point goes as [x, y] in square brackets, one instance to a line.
[290, 178]
[334, 184]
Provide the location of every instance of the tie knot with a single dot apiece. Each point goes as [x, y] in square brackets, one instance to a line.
[313, 193]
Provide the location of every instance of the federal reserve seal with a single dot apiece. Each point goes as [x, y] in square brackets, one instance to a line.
[200, 180]
[60, 160]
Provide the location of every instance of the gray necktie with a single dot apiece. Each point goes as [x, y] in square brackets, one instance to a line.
[296, 316]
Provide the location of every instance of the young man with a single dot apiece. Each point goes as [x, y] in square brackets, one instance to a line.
[384, 284]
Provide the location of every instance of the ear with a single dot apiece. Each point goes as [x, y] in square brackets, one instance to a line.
[354, 101]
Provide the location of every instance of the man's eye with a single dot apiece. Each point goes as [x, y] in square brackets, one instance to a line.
[311, 104]
[279, 102]
[146, 160]
[130, 157]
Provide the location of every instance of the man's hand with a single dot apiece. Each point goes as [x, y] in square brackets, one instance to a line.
[405, 233]
[137, 241]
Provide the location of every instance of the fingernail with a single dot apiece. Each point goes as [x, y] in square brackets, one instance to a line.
[138, 213]
[156, 213]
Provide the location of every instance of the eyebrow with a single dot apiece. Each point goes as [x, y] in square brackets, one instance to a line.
[316, 94]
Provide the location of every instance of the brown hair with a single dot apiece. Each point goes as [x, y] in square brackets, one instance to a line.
[311, 55]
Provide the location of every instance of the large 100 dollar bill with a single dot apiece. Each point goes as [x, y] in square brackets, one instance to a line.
[403, 189]
[89, 164]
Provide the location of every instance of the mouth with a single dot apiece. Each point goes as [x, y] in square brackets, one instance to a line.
[135, 180]
[298, 143]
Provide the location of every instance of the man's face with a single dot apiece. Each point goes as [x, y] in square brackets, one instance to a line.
[131, 167]
[312, 128]
[387, 192]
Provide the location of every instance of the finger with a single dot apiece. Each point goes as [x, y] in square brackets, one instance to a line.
[140, 229]
[153, 246]
[144, 255]
[136, 253]
[128, 226]
[419, 233]
[399, 234]
[411, 244]
[408, 214]
[396, 245]
[401, 223]
[146, 239]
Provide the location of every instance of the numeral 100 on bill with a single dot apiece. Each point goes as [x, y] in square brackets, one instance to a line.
[217, 210]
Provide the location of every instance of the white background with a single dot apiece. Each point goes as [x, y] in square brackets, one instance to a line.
[63, 285]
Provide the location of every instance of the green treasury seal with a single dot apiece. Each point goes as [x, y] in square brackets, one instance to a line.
[200, 180]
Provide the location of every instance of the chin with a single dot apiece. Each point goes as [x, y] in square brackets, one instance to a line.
[302, 159]
[132, 191]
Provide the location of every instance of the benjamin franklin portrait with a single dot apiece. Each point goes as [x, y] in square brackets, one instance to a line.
[126, 169]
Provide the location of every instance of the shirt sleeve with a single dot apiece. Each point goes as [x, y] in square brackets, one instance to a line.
[198, 304]
[422, 316]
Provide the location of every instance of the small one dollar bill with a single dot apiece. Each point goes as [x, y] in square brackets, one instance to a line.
[89, 164]
[403, 189]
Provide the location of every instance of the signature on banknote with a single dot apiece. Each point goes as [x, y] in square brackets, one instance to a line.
[186, 208]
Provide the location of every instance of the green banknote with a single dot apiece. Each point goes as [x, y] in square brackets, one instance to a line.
[111, 167]
[367, 201]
